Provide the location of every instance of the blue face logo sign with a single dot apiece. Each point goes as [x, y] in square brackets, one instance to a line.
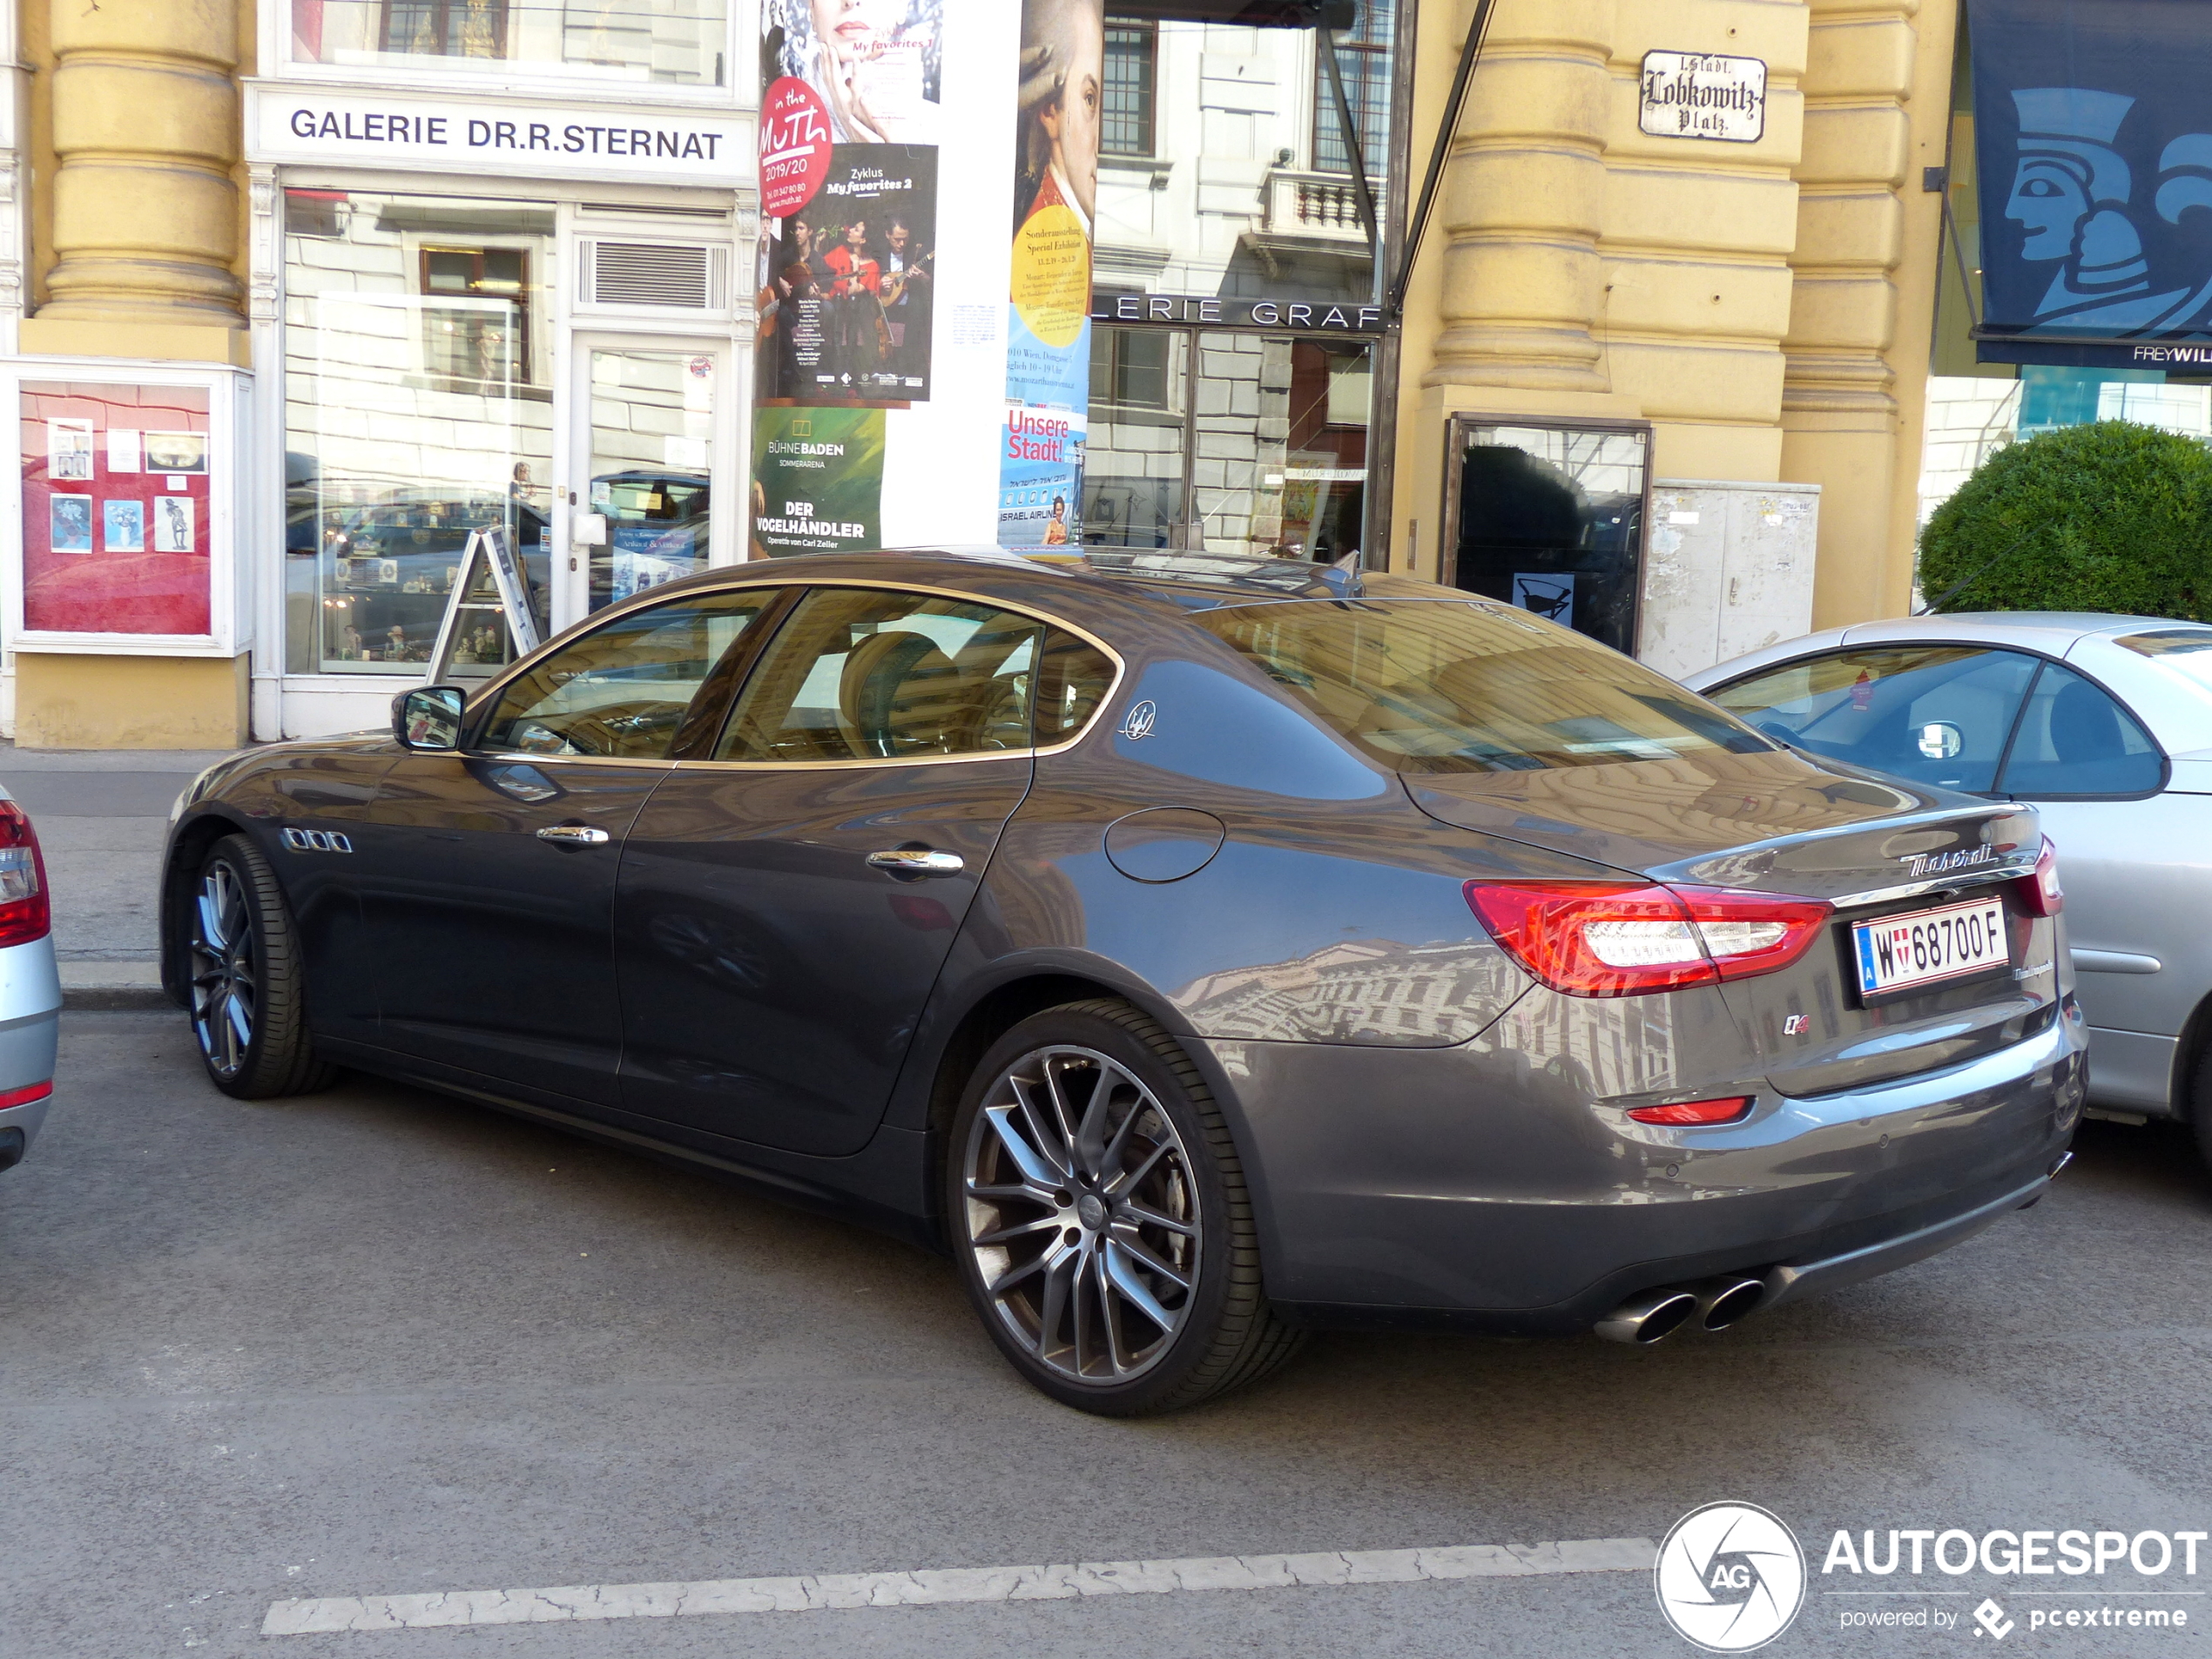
[1138, 723]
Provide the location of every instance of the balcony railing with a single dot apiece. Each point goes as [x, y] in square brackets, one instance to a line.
[1321, 205]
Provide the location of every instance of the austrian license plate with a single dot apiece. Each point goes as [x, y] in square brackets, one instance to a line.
[1924, 947]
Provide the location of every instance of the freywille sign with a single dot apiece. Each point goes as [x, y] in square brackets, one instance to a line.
[1702, 95]
[2094, 148]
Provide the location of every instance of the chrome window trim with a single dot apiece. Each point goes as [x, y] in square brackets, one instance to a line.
[492, 688]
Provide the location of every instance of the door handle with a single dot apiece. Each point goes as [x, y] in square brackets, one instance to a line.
[918, 862]
[573, 835]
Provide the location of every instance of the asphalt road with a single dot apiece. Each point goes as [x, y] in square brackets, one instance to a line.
[379, 1342]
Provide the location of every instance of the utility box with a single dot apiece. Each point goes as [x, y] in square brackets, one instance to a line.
[1727, 569]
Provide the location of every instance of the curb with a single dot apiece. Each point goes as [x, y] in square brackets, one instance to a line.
[108, 998]
[107, 986]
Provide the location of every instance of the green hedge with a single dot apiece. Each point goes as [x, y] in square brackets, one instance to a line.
[2109, 517]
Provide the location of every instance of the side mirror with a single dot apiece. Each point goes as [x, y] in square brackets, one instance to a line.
[427, 719]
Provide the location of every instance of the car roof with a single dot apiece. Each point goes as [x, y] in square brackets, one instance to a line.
[1193, 581]
[2054, 633]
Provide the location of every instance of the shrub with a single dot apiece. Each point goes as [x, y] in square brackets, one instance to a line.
[2109, 517]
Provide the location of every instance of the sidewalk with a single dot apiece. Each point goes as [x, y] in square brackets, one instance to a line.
[101, 815]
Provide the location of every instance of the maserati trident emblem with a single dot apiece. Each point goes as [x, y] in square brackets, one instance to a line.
[1138, 723]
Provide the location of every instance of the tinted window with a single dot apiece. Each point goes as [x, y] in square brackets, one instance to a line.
[2076, 740]
[866, 674]
[1932, 714]
[1430, 686]
[622, 690]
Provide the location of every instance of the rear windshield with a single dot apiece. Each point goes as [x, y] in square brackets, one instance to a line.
[1428, 685]
[2186, 650]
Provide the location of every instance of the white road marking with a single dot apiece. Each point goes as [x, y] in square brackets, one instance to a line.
[815, 1592]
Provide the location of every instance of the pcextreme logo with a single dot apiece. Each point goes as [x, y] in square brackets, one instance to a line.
[1730, 1577]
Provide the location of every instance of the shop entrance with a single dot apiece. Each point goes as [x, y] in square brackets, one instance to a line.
[648, 458]
[1227, 441]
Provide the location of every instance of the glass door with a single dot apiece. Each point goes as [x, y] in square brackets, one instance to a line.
[648, 455]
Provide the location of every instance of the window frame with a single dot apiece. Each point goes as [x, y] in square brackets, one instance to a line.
[745, 660]
[1150, 29]
[497, 76]
[1365, 53]
[2041, 659]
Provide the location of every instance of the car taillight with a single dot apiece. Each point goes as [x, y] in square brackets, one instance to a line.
[1606, 939]
[1692, 1113]
[25, 914]
[2040, 893]
[24, 1096]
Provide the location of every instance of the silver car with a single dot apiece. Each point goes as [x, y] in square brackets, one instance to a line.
[30, 990]
[2105, 723]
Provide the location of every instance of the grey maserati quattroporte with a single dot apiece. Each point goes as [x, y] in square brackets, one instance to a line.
[1199, 950]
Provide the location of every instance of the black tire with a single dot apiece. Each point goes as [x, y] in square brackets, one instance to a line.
[2200, 1104]
[243, 958]
[1147, 1207]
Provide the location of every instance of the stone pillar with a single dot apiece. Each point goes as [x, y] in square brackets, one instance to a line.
[1841, 416]
[1523, 202]
[145, 118]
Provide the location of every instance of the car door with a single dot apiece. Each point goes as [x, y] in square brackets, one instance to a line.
[488, 875]
[786, 905]
[2098, 780]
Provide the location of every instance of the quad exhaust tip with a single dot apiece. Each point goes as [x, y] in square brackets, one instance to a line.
[1714, 1303]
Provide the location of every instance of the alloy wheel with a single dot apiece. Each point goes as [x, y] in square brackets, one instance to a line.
[226, 981]
[1081, 1214]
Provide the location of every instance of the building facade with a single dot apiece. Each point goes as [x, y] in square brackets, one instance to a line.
[297, 295]
[1659, 305]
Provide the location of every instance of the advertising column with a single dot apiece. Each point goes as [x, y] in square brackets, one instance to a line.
[920, 379]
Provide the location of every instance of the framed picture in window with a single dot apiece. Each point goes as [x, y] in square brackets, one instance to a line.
[123, 499]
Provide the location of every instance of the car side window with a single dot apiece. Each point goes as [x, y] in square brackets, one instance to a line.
[2076, 740]
[1929, 714]
[874, 674]
[623, 690]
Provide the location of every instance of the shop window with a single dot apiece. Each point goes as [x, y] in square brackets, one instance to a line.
[1551, 518]
[1132, 48]
[1363, 58]
[671, 41]
[1244, 443]
[417, 409]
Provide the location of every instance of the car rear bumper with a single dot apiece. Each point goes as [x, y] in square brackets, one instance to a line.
[1449, 1189]
[30, 1005]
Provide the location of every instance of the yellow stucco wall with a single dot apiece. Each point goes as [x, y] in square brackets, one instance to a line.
[137, 251]
[67, 701]
[1765, 306]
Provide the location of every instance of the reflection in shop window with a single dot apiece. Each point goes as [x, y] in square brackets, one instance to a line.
[1243, 443]
[1132, 45]
[1223, 167]
[671, 41]
[418, 408]
[1363, 58]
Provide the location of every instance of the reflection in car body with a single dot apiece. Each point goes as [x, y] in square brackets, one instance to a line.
[1199, 950]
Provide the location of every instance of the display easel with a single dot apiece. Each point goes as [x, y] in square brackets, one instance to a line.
[489, 588]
